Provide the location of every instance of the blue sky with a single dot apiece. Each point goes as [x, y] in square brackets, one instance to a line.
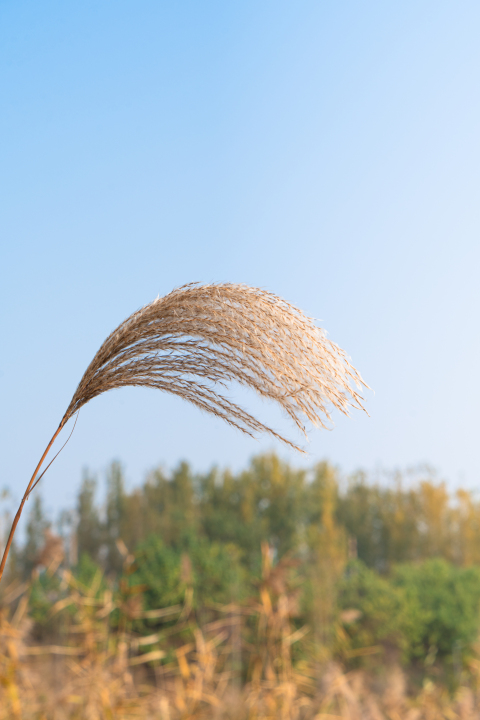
[326, 151]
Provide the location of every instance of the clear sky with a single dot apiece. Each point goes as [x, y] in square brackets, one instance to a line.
[326, 151]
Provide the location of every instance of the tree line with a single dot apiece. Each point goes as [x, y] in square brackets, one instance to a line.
[376, 564]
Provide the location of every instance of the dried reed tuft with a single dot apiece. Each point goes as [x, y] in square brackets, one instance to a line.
[201, 336]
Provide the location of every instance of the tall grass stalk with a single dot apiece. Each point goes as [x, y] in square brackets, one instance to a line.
[200, 338]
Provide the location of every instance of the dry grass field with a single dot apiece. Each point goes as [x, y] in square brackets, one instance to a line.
[240, 665]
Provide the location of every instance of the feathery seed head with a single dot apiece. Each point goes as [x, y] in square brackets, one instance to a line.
[202, 337]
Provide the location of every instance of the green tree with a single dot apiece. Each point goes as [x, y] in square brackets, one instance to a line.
[36, 526]
[372, 611]
[265, 503]
[443, 608]
[89, 527]
[116, 516]
[201, 575]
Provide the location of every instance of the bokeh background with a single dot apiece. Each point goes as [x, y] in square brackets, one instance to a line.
[326, 151]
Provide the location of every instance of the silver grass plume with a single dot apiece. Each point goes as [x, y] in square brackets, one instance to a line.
[200, 338]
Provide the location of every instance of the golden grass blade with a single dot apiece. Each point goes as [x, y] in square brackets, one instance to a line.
[199, 338]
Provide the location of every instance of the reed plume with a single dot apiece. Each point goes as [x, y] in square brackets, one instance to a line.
[199, 338]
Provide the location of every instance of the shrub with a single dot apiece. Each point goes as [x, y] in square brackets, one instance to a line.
[372, 611]
[443, 604]
[210, 571]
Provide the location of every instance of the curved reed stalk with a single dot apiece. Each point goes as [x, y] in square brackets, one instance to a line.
[199, 337]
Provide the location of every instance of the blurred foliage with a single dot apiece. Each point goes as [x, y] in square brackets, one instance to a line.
[443, 608]
[372, 610]
[204, 573]
[379, 571]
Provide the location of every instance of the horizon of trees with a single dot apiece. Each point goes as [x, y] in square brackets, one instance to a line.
[375, 565]
[383, 522]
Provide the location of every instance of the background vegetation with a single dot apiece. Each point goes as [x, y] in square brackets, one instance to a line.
[294, 577]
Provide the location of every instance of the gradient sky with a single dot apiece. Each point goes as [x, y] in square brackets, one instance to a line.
[326, 151]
